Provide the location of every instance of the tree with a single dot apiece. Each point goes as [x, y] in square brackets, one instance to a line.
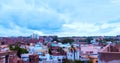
[55, 39]
[70, 61]
[90, 61]
[89, 40]
[77, 61]
[50, 51]
[67, 61]
[67, 40]
[73, 50]
[110, 39]
[17, 48]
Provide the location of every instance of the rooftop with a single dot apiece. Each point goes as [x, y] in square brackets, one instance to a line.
[110, 54]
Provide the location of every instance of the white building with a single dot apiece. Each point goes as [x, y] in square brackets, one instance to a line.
[90, 49]
[34, 36]
[58, 58]
[73, 54]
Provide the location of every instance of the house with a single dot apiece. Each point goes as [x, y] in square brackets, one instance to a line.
[109, 54]
[73, 53]
[89, 52]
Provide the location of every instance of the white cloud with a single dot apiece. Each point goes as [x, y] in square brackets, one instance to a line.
[60, 17]
[18, 31]
[115, 2]
[81, 26]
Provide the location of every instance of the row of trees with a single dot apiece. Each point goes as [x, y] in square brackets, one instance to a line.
[87, 40]
[67, 40]
[76, 61]
[63, 40]
[70, 40]
[108, 39]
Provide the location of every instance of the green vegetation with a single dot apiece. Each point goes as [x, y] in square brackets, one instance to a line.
[55, 39]
[89, 40]
[50, 51]
[67, 40]
[110, 39]
[70, 61]
[67, 61]
[17, 48]
[90, 61]
[77, 61]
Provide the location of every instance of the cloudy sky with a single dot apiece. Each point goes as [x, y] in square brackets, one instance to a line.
[59, 17]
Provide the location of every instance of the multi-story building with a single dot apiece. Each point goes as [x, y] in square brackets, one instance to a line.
[73, 54]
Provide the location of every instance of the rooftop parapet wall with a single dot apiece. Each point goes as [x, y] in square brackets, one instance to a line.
[105, 49]
[111, 48]
[109, 54]
[108, 57]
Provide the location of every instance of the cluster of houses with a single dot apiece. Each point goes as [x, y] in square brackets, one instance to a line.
[56, 52]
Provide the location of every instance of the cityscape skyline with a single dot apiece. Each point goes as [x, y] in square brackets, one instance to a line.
[60, 17]
[37, 35]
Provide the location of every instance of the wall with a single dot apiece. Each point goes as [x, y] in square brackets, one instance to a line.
[109, 57]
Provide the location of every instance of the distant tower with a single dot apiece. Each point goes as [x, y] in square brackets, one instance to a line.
[35, 36]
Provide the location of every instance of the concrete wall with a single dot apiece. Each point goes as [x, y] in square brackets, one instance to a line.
[113, 61]
[109, 57]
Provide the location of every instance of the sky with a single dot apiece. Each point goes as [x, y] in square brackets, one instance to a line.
[60, 17]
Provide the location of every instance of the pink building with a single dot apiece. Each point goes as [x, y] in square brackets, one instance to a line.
[109, 54]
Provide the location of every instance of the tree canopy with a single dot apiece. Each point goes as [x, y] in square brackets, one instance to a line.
[89, 40]
[55, 39]
[17, 48]
[67, 40]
